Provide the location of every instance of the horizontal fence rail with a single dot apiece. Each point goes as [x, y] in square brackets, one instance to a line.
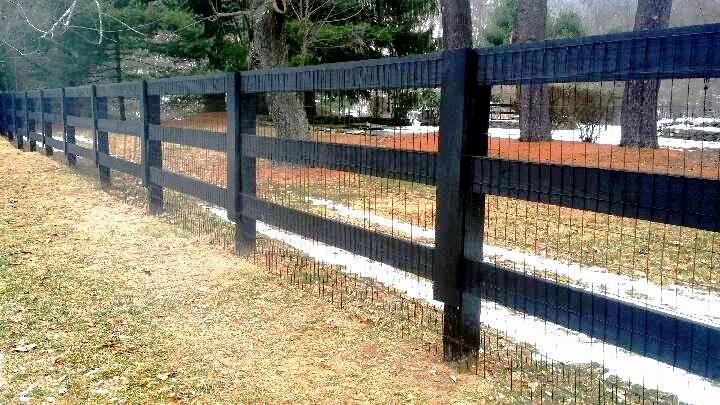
[190, 137]
[414, 71]
[407, 256]
[675, 200]
[667, 54]
[374, 161]
[689, 52]
[677, 341]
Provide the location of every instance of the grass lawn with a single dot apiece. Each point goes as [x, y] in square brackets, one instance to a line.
[102, 303]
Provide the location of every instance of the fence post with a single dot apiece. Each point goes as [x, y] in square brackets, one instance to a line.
[240, 169]
[13, 118]
[68, 106]
[47, 129]
[31, 123]
[101, 142]
[151, 149]
[3, 113]
[24, 131]
[464, 119]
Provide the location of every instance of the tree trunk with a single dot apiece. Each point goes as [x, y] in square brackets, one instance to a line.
[638, 119]
[533, 99]
[214, 102]
[456, 24]
[270, 46]
[117, 59]
[310, 104]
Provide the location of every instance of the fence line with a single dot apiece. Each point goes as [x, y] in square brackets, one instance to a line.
[461, 170]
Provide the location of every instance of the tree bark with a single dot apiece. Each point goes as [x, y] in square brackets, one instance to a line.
[456, 24]
[270, 46]
[117, 59]
[638, 119]
[310, 104]
[533, 99]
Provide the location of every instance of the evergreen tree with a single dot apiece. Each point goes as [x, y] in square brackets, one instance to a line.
[504, 20]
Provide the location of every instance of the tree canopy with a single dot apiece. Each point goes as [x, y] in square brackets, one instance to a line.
[504, 17]
[108, 40]
[47, 43]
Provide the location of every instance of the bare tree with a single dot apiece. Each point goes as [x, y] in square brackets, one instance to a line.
[533, 99]
[638, 119]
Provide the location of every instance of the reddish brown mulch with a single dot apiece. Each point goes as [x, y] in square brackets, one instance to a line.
[700, 163]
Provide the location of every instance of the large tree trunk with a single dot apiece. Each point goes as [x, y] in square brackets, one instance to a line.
[456, 24]
[270, 46]
[117, 59]
[533, 99]
[638, 120]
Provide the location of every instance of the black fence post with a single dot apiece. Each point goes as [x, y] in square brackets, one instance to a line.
[2, 113]
[6, 120]
[13, 118]
[31, 122]
[47, 129]
[69, 106]
[24, 131]
[102, 144]
[464, 115]
[240, 169]
[151, 149]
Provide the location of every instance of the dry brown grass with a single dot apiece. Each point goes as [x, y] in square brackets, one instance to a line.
[113, 319]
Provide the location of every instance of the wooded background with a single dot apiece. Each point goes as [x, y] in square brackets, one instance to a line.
[50, 43]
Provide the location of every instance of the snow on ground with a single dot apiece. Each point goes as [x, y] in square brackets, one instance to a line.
[416, 128]
[609, 135]
[681, 301]
[343, 210]
[686, 127]
[689, 120]
[551, 341]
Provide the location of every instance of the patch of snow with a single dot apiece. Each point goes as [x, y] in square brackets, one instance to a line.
[693, 304]
[607, 136]
[415, 128]
[83, 139]
[363, 267]
[344, 210]
[689, 120]
[555, 342]
[686, 127]
[550, 341]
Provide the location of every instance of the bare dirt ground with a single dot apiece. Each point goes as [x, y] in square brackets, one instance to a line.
[100, 302]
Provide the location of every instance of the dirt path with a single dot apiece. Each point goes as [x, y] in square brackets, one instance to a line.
[90, 311]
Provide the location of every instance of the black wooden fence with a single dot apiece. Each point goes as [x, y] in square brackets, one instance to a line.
[460, 169]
